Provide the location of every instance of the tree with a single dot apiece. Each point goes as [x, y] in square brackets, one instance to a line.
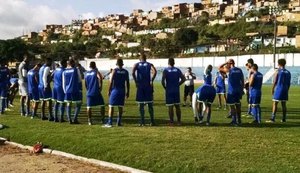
[185, 37]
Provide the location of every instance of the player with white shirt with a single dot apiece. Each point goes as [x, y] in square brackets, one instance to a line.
[23, 91]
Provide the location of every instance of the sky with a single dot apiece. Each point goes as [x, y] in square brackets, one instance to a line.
[22, 16]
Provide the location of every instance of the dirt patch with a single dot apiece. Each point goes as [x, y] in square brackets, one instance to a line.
[13, 160]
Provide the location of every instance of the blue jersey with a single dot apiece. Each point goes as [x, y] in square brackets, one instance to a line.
[173, 75]
[255, 89]
[220, 80]
[33, 78]
[41, 76]
[13, 81]
[283, 80]
[57, 77]
[235, 81]
[92, 83]
[119, 78]
[4, 76]
[208, 78]
[71, 80]
[143, 73]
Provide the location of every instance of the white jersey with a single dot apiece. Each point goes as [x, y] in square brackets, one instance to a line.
[189, 79]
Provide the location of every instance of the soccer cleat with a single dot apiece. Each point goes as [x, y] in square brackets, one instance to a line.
[283, 121]
[11, 105]
[107, 126]
[141, 125]
[270, 121]
[219, 107]
[152, 124]
[7, 109]
[207, 124]
[184, 105]
[233, 124]
[32, 117]
[89, 122]
[201, 122]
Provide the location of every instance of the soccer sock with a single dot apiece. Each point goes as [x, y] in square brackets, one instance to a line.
[208, 116]
[249, 110]
[2, 104]
[110, 119]
[69, 113]
[56, 110]
[273, 116]
[62, 111]
[233, 117]
[255, 113]
[258, 111]
[77, 111]
[119, 119]
[151, 112]
[142, 113]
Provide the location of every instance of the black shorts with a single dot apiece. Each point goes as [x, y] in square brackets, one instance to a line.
[188, 90]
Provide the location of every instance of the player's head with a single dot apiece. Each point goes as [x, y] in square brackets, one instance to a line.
[189, 69]
[281, 62]
[250, 62]
[171, 62]
[48, 61]
[93, 65]
[208, 69]
[254, 67]
[71, 63]
[26, 58]
[143, 57]
[64, 63]
[230, 63]
[120, 62]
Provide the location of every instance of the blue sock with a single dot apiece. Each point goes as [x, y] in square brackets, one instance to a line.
[77, 111]
[258, 114]
[208, 116]
[151, 112]
[142, 113]
[56, 110]
[62, 111]
[2, 105]
[273, 116]
[249, 110]
[233, 118]
[119, 119]
[69, 113]
[109, 120]
[254, 113]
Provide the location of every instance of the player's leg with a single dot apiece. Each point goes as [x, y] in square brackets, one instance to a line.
[56, 107]
[142, 114]
[225, 98]
[284, 110]
[77, 111]
[22, 102]
[102, 114]
[110, 116]
[274, 111]
[186, 92]
[34, 108]
[151, 113]
[119, 119]
[50, 118]
[208, 113]
[62, 111]
[195, 107]
[171, 114]
[200, 111]
[191, 92]
[69, 108]
[89, 113]
[178, 114]
[238, 107]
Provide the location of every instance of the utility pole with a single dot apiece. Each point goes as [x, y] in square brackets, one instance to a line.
[274, 11]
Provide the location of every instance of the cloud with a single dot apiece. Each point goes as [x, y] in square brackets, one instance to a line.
[17, 16]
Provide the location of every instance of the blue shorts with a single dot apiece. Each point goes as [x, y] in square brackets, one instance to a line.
[144, 94]
[117, 98]
[34, 96]
[172, 98]
[234, 98]
[73, 97]
[220, 89]
[281, 95]
[58, 94]
[45, 94]
[96, 100]
[206, 94]
[255, 100]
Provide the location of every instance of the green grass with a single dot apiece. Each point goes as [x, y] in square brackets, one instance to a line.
[189, 148]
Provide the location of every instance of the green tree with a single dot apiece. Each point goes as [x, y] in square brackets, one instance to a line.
[185, 37]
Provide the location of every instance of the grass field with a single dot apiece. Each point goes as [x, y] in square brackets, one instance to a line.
[188, 148]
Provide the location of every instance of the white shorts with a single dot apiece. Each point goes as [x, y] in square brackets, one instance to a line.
[23, 89]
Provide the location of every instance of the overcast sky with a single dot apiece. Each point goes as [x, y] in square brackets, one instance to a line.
[21, 16]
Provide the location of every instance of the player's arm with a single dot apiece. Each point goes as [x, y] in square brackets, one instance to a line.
[163, 79]
[63, 82]
[111, 82]
[251, 80]
[134, 73]
[193, 75]
[223, 68]
[215, 80]
[45, 77]
[127, 86]
[100, 80]
[154, 73]
[182, 79]
[275, 82]
[79, 76]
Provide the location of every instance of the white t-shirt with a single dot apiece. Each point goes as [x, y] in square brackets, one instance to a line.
[189, 79]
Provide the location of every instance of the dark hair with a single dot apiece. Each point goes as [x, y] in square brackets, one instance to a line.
[230, 61]
[63, 63]
[93, 65]
[282, 62]
[120, 62]
[255, 66]
[171, 61]
[71, 62]
[143, 56]
[39, 64]
[250, 61]
[189, 68]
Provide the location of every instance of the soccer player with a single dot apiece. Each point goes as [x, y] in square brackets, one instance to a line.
[143, 74]
[205, 96]
[33, 88]
[72, 86]
[4, 83]
[235, 89]
[280, 90]
[255, 83]
[58, 94]
[119, 88]
[172, 78]
[188, 85]
[221, 88]
[23, 90]
[249, 65]
[13, 89]
[45, 92]
[93, 84]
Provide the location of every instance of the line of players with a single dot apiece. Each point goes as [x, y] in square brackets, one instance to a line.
[67, 90]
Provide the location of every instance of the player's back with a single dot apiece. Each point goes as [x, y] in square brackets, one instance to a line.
[143, 73]
[119, 78]
[235, 80]
[57, 77]
[255, 89]
[22, 67]
[71, 80]
[4, 75]
[284, 79]
[92, 83]
[173, 75]
[41, 76]
[220, 80]
[208, 78]
[32, 75]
